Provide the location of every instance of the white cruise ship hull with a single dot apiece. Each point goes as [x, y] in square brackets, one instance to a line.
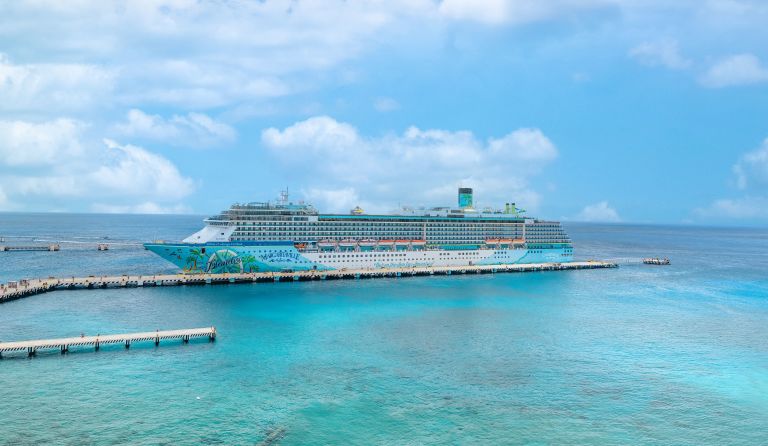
[221, 257]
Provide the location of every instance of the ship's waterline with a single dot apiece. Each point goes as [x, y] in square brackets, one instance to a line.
[286, 236]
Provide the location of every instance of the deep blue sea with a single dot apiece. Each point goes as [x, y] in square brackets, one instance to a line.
[638, 355]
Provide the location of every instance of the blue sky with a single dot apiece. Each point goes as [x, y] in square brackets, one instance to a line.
[596, 110]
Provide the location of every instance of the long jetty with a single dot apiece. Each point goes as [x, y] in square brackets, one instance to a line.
[28, 287]
[64, 344]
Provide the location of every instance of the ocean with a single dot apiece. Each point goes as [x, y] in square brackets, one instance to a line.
[639, 355]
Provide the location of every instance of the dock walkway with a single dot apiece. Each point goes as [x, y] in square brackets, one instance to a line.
[29, 287]
[63, 344]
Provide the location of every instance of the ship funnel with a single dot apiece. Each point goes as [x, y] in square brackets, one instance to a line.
[465, 198]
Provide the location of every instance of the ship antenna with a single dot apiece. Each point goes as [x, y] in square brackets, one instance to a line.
[284, 196]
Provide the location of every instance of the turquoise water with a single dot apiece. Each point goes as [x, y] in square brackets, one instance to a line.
[637, 355]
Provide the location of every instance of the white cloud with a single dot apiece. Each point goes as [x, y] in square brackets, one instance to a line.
[598, 212]
[386, 105]
[334, 200]
[496, 12]
[744, 208]
[210, 54]
[751, 172]
[63, 163]
[34, 144]
[418, 167]
[664, 53]
[52, 86]
[193, 129]
[142, 208]
[134, 171]
[752, 168]
[318, 134]
[204, 53]
[741, 69]
[5, 205]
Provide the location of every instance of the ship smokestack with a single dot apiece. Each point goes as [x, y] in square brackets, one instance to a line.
[465, 198]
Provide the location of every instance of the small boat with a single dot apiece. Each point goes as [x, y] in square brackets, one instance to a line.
[402, 242]
[326, 244]
[418, 242]
[656, 261]
[386, 242]
[348, 243]
[367, 243]
[492, 241]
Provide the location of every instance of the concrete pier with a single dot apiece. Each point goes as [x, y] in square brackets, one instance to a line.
[52, 247]
[64, 344]
[29, 287]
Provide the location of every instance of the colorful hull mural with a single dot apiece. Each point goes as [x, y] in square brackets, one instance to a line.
[236, 257]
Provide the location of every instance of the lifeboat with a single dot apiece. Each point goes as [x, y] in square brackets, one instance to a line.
[299, 245]
[386, 242]
[402, 242]
[418, 242]
[492, 241]
[348, 243]
[325, 244]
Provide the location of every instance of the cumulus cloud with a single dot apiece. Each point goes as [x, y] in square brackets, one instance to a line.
[752, 168]
[133, 171]
[34, 144]
[741, 69]
[141, 208]
[52, 86]
[418, 167]
[211, 54]
[335, 200]
[598, 212]
[192, 129]
[751, 175]
[496, 12]
[743, 208]
[665, 53]
[62, 162]
[5, 205]
[204, 53]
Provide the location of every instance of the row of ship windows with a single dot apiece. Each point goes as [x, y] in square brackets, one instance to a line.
[252, 222]
[429, 239]
[395, 223]
[398, 235]
[518, 228]
[389, 255]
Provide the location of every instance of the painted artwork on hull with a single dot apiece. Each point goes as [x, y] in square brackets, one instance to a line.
[244, 258]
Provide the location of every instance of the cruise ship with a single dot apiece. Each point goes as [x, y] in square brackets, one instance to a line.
[285, 236]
